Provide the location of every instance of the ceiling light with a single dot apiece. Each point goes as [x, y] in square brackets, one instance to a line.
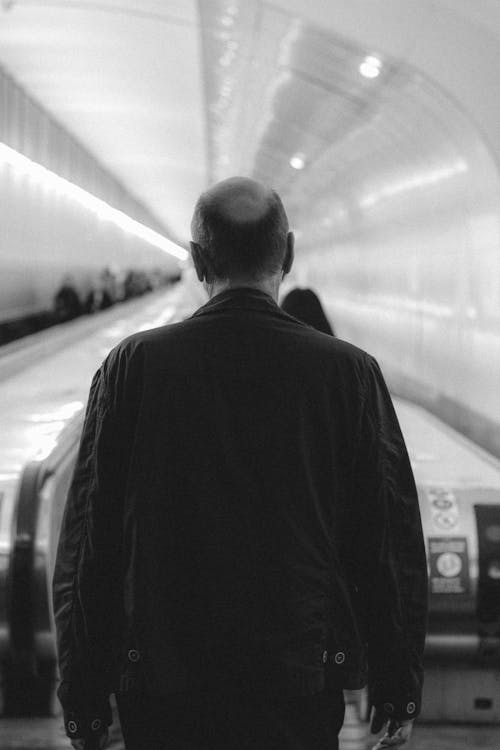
[227, 21]
[298, 161]
[43, 176]
[370, 67]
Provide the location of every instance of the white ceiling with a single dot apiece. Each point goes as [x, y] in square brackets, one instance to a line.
[170, 94]
[456, 43]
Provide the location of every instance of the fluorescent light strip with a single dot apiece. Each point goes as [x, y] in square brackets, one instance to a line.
[417, 181]
[100, 208]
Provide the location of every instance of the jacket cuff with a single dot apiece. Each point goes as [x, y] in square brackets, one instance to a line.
[85, 715]
[396, 688]
[396, 707]
[82, 725]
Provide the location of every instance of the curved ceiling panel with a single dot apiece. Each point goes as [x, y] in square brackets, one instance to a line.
[453, 42]
[283, 92]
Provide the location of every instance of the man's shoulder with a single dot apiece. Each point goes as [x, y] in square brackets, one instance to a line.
[157, 335]
[335, 347]
[133, 348]
[345, 348]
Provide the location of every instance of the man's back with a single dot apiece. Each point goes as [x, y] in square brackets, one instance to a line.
[241, 463]
[241, 439]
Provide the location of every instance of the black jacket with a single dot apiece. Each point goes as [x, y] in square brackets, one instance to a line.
[242, 508]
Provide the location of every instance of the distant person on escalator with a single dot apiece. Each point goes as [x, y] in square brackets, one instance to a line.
[67, 303]
[304, 305]
[242, 536]
[100, 296]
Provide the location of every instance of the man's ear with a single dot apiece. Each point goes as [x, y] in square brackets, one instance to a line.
[289, 253]
[199, 261]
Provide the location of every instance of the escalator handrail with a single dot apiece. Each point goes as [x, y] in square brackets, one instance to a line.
[21, 594]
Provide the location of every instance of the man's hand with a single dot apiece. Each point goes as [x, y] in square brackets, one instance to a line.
[98, 742]
[397, 733]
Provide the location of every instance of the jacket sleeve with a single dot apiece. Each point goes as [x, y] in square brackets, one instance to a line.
[388, 555]
[86, 583]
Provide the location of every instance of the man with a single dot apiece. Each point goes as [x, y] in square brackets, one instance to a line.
[242, 535]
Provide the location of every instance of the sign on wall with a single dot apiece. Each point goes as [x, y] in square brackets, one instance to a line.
[449, 565]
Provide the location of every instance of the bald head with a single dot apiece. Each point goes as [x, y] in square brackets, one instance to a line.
[241, 227]
[239, 199]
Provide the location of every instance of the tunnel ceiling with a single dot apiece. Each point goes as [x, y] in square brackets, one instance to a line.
[172, 95]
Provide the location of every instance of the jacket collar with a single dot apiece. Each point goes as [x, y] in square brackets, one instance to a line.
[240, 298]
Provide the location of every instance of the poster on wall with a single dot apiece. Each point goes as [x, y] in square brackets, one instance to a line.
[449, 565]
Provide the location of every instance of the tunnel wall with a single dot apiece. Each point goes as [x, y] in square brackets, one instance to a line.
[28, 128]
[403, 244]
[46, 234]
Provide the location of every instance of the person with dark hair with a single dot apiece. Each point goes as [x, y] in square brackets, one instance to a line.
[304, 305]
[242, 537]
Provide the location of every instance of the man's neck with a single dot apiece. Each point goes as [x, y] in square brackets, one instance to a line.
[270, 285]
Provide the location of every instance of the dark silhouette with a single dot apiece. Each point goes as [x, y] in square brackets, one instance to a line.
[136, 283]
[67, 304]
[103, 293]
[304, 305]
[242, 532]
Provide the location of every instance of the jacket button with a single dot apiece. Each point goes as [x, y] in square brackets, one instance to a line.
[411, 708]
[72, 727]
[325, 656]
[339, 657]
[134, 655]
[96, 724]
[388, 708]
